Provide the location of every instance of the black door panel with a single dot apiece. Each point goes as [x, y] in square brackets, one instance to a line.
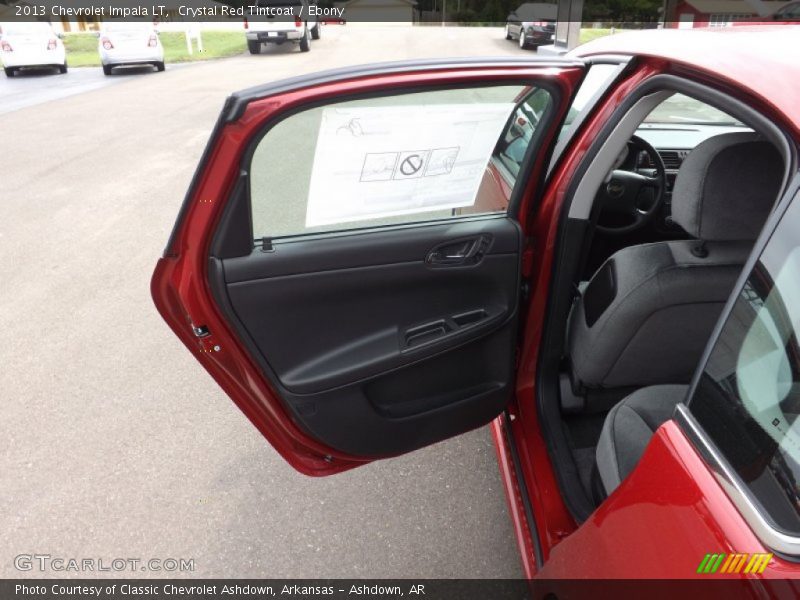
[412, 407]
[377, 340]
[368, 320]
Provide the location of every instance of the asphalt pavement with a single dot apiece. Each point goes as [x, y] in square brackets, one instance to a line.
[31, 87]
[115, 443]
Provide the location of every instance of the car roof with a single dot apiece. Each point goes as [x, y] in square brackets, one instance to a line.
[764, 59]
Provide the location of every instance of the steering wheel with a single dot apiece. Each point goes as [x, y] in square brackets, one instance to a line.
[630, 200]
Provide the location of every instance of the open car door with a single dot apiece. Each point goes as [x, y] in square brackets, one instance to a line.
[347, 263]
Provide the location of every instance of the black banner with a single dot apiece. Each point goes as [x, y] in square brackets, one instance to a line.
[429, 589]
[616, 13]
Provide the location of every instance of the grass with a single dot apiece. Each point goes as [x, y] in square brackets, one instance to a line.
[589, 34]
[81, 50]
[82, 47]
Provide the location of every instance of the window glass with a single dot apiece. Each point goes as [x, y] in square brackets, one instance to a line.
[596, 81]
[683, 110]
[748, 397]
[511, 149]
[390, 160]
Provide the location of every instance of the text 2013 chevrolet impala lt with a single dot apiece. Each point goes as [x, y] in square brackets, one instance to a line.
[599, 255]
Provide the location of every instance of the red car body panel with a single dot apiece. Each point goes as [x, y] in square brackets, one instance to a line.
[743, 58]
[179, 284]
[660, 522]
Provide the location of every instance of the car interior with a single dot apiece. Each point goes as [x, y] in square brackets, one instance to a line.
[670, 216]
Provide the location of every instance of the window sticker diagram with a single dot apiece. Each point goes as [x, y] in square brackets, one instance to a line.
[411, 164]
[382, 161]
[384, 166]
[442, 161]
[352, 127]
[379, 166]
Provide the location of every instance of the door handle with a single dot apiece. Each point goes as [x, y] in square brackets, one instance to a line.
[461, 252]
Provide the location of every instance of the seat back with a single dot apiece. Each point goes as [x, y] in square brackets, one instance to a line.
[647, 313]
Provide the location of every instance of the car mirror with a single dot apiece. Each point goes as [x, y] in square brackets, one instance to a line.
[514, 148]
[60, 36]
[97, 34]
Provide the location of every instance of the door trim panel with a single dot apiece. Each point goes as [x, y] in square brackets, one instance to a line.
[366, 247]
[392, 338]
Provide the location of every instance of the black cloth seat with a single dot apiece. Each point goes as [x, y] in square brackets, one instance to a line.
[628, 428]
[646, 315]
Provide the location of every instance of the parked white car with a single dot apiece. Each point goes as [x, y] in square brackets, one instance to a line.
[31, 45]
[129, 44]
[281, 21]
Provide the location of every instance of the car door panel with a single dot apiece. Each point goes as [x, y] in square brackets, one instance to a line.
[395, 337]
[346, 346]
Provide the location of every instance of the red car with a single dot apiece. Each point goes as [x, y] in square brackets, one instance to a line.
[597, 254]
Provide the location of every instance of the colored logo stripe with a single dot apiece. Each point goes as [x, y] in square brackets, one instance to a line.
[734, 563]
[710, 563]
[758, 563]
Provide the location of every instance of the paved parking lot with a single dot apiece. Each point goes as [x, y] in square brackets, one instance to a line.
[30, 87]
[115, 442]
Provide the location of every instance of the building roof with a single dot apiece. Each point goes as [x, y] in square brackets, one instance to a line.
[735, 7]
[761, 58]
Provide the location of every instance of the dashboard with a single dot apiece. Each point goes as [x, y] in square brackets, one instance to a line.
[674, 142]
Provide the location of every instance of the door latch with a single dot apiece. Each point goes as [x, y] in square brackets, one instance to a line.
[200, 331]
[462, 252]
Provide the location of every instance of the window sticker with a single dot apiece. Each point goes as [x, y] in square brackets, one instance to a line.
[375, 162]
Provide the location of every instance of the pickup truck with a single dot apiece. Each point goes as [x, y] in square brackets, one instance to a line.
[280, 21]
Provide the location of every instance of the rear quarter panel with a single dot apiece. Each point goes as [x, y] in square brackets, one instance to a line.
[660, 523]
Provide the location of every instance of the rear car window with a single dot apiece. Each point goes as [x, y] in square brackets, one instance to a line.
[748, 396]
[394, 159]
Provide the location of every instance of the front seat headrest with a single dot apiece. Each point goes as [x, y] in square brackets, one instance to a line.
[726, 187]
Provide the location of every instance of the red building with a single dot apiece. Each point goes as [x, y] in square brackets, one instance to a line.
[718, 13]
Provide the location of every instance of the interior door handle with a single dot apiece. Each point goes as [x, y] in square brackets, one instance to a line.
[462, 252]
